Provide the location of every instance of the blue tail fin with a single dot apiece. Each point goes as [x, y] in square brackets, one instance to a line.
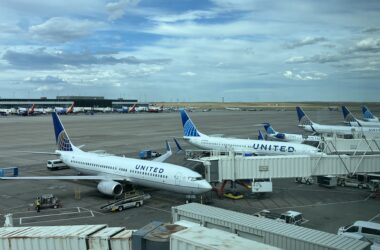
[189, 128]
[348, 117]
[260, 136]
[367, 113]
[61, 138]
[303, 119]
[269, 129]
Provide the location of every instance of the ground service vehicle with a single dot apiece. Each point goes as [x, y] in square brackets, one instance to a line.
[289, 217]
[56, 164]
[47, 201]
[350, 182]
[305, 180]
[131, 199]
[233, 195]
[329, 181]
[369, 230]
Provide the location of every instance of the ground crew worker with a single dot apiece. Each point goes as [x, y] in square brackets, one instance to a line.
[38, 205]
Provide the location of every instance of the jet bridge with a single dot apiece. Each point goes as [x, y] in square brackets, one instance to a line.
[237, 167]
[336, 145]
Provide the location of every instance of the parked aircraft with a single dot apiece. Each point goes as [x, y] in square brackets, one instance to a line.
[26, 111]
[309, 125]
[155, 109]
[110, 170]
[65, 111]
[258, 147]
[289, 137]
[350, 119]
[126, 109]
[368, 116]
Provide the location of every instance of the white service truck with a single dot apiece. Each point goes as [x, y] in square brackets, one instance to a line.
[56, 164]
[289, 217]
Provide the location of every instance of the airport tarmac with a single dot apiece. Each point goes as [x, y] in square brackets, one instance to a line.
[127, 134]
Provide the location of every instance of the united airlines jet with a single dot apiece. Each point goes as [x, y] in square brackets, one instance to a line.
[368, 116]
[350, 118]
[309, 125]
[258, 147]
[111, 170]
[271, 133]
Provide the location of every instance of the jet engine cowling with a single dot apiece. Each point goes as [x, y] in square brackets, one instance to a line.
[110, 188]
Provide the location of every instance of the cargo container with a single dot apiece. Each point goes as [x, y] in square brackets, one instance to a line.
[202, 238]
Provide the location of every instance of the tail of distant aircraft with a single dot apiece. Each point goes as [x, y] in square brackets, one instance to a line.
[367, 113]
[303, 119]
[269, 129]
[348, 116]
[31, 110]
[132, 109]
[61, 137]
[189, 128]
[70, 109]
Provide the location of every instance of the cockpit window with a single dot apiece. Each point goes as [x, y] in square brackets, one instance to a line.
[195, 178]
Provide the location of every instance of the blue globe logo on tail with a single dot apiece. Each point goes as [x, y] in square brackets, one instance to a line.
[62, 140]
[189, 128]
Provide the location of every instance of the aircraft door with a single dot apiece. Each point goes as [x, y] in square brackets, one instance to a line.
[177, 178]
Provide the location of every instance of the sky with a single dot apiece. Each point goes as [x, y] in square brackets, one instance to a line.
[191, 50]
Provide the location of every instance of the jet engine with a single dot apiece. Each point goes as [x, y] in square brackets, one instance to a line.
[110, 188]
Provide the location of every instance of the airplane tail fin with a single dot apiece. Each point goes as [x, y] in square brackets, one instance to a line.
[261, 136]
[61, 137]
[367, 113]
[70, 109]
[133, 109]
[269, 129]
[303, 119]
[348, 116]
[189, 128]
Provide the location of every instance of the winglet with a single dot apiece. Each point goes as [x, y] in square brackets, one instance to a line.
[168, 148]
[179, 148]
[260, 136]
[189, 128]
[165, 156]
[61, 138]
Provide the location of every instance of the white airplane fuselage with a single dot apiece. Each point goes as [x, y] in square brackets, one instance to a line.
[258, 147]
[295, 138]
[361, 123]
[339, 130]
[158, 175]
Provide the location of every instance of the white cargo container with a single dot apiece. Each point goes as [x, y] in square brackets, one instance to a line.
[202, 238]
[122, 240]
[47, 238]
[264, 230]
[100, 240]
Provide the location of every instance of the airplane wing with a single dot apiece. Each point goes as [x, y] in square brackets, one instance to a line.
[165, 156]
[75, 177]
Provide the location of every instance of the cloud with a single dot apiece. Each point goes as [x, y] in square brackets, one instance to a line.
[46, 80]
[188, 73]
[371, 30]
[306, 41]
[304, 76]
[63, 29]
[41, 59]
[368, 45]
[117, 10]
[326, 58]
[187, 16]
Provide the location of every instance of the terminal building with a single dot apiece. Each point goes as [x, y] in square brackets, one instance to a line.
[65, 101]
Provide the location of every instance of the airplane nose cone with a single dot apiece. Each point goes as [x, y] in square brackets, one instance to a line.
[205, 186]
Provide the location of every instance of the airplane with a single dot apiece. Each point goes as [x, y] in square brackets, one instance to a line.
[350, 119]
[26, 111]
[126, 109]
[155, 109]
[368, 116]
[110, 170]
[297, 138]
[258, 147]
[309, 125]
[65, 111]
